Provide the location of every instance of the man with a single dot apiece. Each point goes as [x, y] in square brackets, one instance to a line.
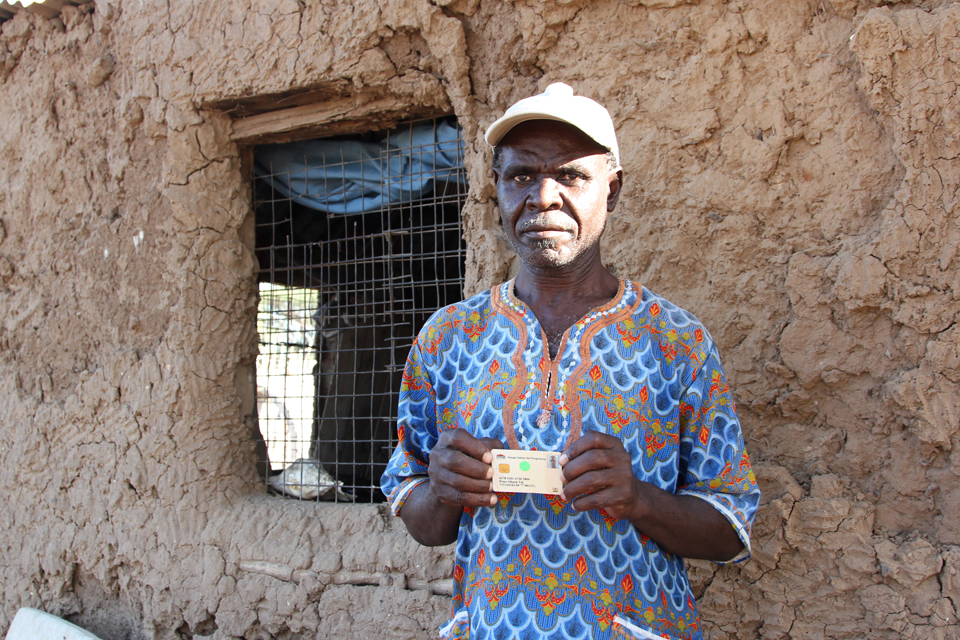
[568, 358]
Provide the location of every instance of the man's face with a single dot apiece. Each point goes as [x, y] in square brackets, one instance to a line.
[555, 188]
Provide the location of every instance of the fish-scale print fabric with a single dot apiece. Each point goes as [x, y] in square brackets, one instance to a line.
[639, 368]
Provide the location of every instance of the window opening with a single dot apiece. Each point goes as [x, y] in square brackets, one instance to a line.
[359, 242]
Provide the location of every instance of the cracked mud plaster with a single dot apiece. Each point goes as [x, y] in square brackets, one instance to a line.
[791, 177]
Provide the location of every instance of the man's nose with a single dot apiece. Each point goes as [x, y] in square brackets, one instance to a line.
[545, 195]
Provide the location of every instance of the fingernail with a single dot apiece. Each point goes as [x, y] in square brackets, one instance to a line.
[489, 472]
[493, 500]
[564, 459]
[487, 457]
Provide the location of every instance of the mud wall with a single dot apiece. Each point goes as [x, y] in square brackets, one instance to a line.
[791, 177]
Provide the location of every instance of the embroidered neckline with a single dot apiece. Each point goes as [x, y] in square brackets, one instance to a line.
[509, 296]
[520, 314]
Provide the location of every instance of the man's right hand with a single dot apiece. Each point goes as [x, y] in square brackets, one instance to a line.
[460, 469]
[460, 475]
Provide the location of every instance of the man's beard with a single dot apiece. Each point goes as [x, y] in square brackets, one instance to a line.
[547, 243]
[543, 254]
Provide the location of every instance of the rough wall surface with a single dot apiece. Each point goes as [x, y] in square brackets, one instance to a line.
[792, 174]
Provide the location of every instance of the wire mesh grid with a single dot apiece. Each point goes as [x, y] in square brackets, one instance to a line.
[342, 296]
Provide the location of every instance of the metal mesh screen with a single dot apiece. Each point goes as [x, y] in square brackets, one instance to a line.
[341, 299]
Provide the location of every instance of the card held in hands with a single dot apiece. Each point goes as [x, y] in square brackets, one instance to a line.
[526, 471]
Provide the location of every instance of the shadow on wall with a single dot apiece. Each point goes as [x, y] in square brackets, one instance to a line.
[103, 613]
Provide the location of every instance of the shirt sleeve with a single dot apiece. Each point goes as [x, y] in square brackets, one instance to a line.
[416, 432]
[714, 465]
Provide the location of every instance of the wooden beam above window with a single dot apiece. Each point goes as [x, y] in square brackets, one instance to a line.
[334, 117]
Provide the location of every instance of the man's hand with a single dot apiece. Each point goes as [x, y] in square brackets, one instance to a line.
[460, 469]
[598, 473]
[460, 475]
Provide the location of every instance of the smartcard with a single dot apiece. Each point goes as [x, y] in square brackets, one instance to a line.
[526, 471]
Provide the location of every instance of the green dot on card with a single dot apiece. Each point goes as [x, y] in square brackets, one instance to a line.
[524, 466]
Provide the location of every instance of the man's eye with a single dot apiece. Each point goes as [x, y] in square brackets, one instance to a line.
[521, 177]
[568, 177]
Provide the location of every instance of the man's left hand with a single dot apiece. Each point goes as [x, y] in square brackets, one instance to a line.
[598, 473]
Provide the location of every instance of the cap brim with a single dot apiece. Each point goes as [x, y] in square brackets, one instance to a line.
[502, 127]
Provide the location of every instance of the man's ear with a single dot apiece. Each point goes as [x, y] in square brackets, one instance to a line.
[616, 183]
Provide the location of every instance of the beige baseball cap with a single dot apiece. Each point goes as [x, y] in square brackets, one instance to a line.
[559, 103]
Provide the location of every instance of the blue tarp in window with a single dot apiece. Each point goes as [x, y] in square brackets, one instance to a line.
[343, 176]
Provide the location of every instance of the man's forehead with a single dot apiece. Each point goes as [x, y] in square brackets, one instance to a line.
[559, 141]
[519, 157]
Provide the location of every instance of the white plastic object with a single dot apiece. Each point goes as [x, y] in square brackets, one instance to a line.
[33, 624]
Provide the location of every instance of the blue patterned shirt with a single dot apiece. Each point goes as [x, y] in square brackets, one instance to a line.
[638, 368]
